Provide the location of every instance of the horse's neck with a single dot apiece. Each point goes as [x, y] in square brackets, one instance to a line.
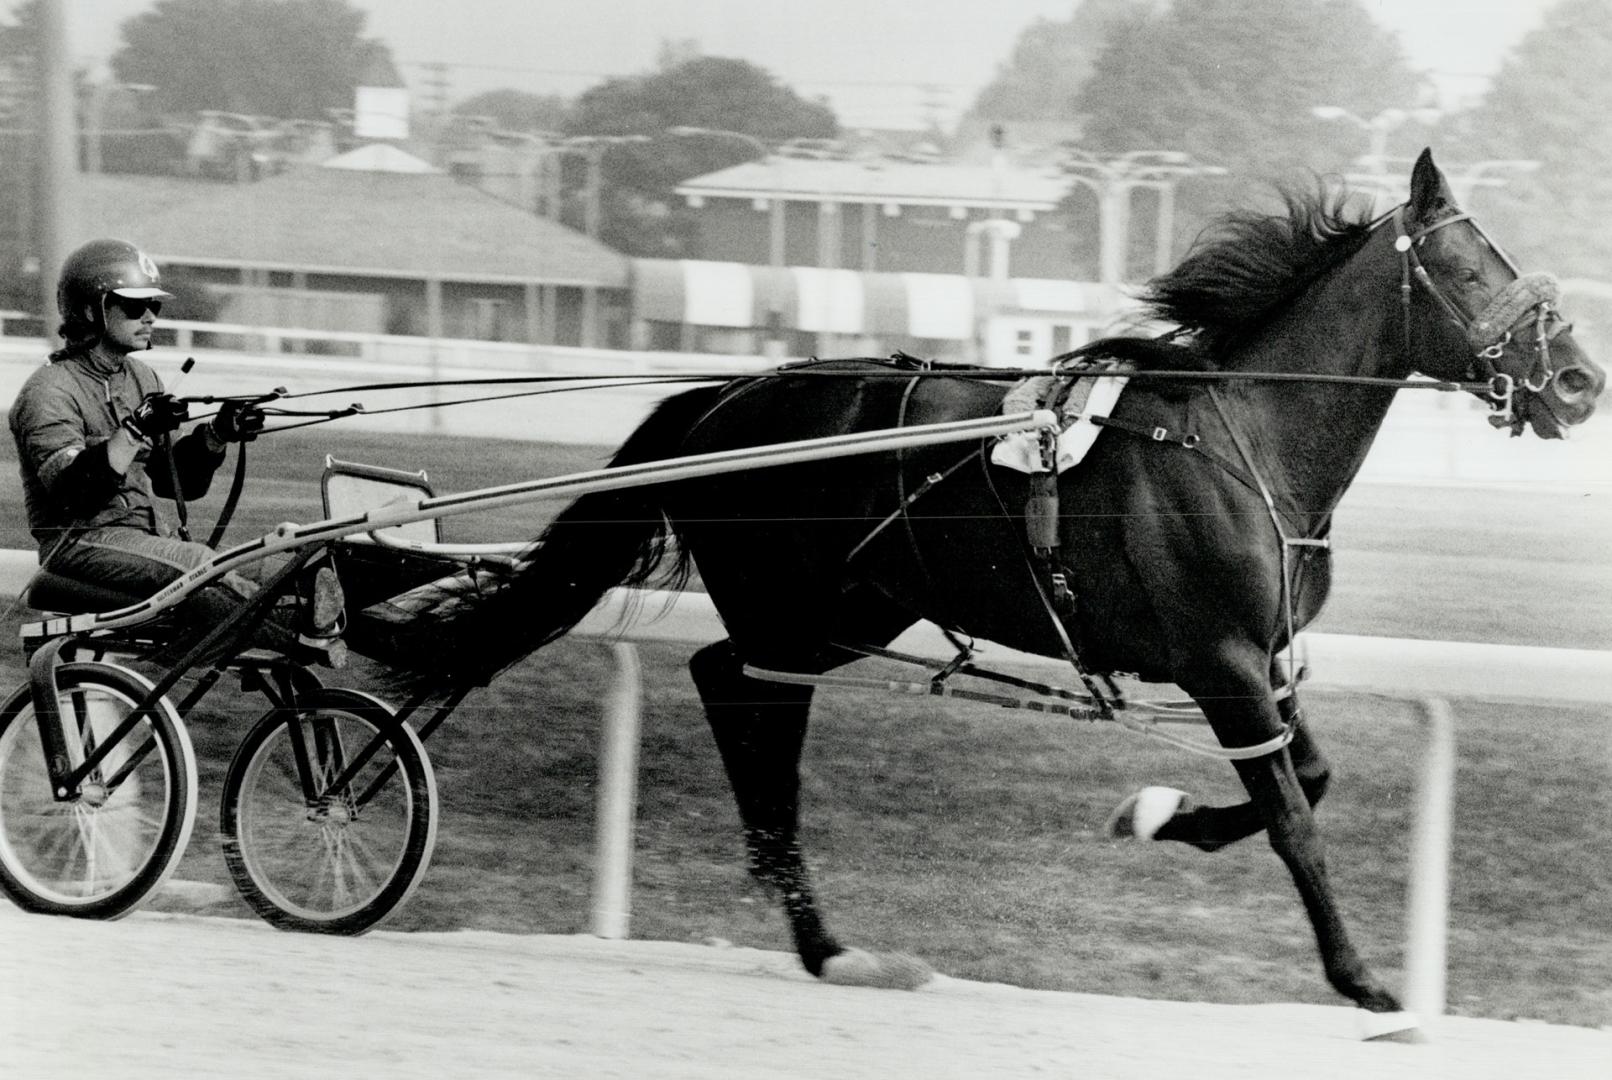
[1310, 439]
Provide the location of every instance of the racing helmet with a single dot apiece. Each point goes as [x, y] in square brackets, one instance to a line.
[99, 269]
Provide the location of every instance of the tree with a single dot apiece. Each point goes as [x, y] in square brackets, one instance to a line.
[1233, 82]
[281, 58]
[1051, 61]
[517, 110]
[706, 91]
[738, 106]
[1551, 103]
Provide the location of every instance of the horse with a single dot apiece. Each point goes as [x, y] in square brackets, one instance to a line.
[1190, 544]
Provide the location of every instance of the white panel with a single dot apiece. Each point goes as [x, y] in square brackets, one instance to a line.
[1045, 294]
[717, 294]
[831, 301]
[940, 306]
[381, 112]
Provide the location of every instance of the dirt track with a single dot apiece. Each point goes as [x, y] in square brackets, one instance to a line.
[180, 995]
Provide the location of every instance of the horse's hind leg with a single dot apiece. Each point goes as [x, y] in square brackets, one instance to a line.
[760, 731]
[1210, 828]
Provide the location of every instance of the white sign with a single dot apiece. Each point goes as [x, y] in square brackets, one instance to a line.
[381, 112]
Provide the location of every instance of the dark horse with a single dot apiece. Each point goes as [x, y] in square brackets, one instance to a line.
[1172, 552]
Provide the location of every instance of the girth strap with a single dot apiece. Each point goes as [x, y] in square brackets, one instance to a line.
[913, 496]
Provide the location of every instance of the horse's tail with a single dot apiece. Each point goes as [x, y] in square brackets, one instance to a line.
[604, 539]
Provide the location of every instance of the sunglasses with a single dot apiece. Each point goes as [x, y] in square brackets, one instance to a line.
[134, 308]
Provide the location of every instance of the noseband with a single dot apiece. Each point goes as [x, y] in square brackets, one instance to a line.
[1493, 329]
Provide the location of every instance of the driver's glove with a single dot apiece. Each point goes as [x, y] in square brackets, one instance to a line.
[237, 421]
[155, 416]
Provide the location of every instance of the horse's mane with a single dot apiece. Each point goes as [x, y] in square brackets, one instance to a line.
[1242, 269]
[1247, 265]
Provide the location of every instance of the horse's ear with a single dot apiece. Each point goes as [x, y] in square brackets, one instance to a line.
[1430, 194]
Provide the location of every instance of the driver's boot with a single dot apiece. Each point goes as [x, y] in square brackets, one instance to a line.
[321, 613]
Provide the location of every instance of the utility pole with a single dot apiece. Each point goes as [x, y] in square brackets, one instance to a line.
[58, 153]
[933, 104]
[435, 95]
[592, 149]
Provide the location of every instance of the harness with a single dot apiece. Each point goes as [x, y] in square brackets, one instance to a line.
[1103, 699]
[1041, 514]
[1492, 329]
[1527, 301]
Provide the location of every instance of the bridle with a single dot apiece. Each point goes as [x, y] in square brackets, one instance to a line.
[1529, 301]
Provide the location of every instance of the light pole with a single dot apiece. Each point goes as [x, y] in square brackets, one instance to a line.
[1112, 180]
[529, 150]
[1373, 171]
[96, 97]
[591, 148]
[58, 150]
[1468, 179]
[686, 130]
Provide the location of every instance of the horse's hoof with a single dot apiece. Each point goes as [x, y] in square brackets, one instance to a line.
[1401, 1027]
[1142, 815]
[893, 971]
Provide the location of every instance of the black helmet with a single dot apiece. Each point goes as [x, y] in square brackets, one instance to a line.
[93, 272]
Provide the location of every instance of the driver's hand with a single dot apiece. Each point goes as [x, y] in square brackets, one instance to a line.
[156, 415]
[237, 421]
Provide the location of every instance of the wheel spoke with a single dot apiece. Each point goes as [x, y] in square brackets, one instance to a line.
[101, 852]
[331, 866]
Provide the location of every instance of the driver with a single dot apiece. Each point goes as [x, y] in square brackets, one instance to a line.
[96, 446]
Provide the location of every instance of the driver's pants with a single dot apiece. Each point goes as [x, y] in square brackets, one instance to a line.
[139, 563]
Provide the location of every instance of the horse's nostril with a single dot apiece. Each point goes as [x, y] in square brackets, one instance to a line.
[1573, 382]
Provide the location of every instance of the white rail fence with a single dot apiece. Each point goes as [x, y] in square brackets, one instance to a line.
[1430, 672]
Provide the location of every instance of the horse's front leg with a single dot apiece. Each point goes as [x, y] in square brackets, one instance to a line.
[1284, 809]
[1289, 822]
[1156, 813]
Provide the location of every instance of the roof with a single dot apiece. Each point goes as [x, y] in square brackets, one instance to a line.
[880, 180]
[379, 157]
[410, 225]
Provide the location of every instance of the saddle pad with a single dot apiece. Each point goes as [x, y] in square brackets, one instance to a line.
[1089, 397]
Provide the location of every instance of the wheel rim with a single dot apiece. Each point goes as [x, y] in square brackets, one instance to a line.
[333, 858]
[78, 852]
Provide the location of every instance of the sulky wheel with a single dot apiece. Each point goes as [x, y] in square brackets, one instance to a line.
[100, 852]
[329, 813]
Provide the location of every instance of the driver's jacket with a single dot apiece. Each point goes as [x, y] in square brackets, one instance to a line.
[62, 419]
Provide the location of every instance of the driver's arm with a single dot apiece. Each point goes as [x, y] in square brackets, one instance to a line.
[196, 457]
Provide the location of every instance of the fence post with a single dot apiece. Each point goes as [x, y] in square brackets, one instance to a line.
[1427, 903]
[617, 797]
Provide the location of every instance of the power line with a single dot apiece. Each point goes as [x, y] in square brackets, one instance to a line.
[927, 84]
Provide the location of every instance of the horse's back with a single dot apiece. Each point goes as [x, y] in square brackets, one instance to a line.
[837, 397]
